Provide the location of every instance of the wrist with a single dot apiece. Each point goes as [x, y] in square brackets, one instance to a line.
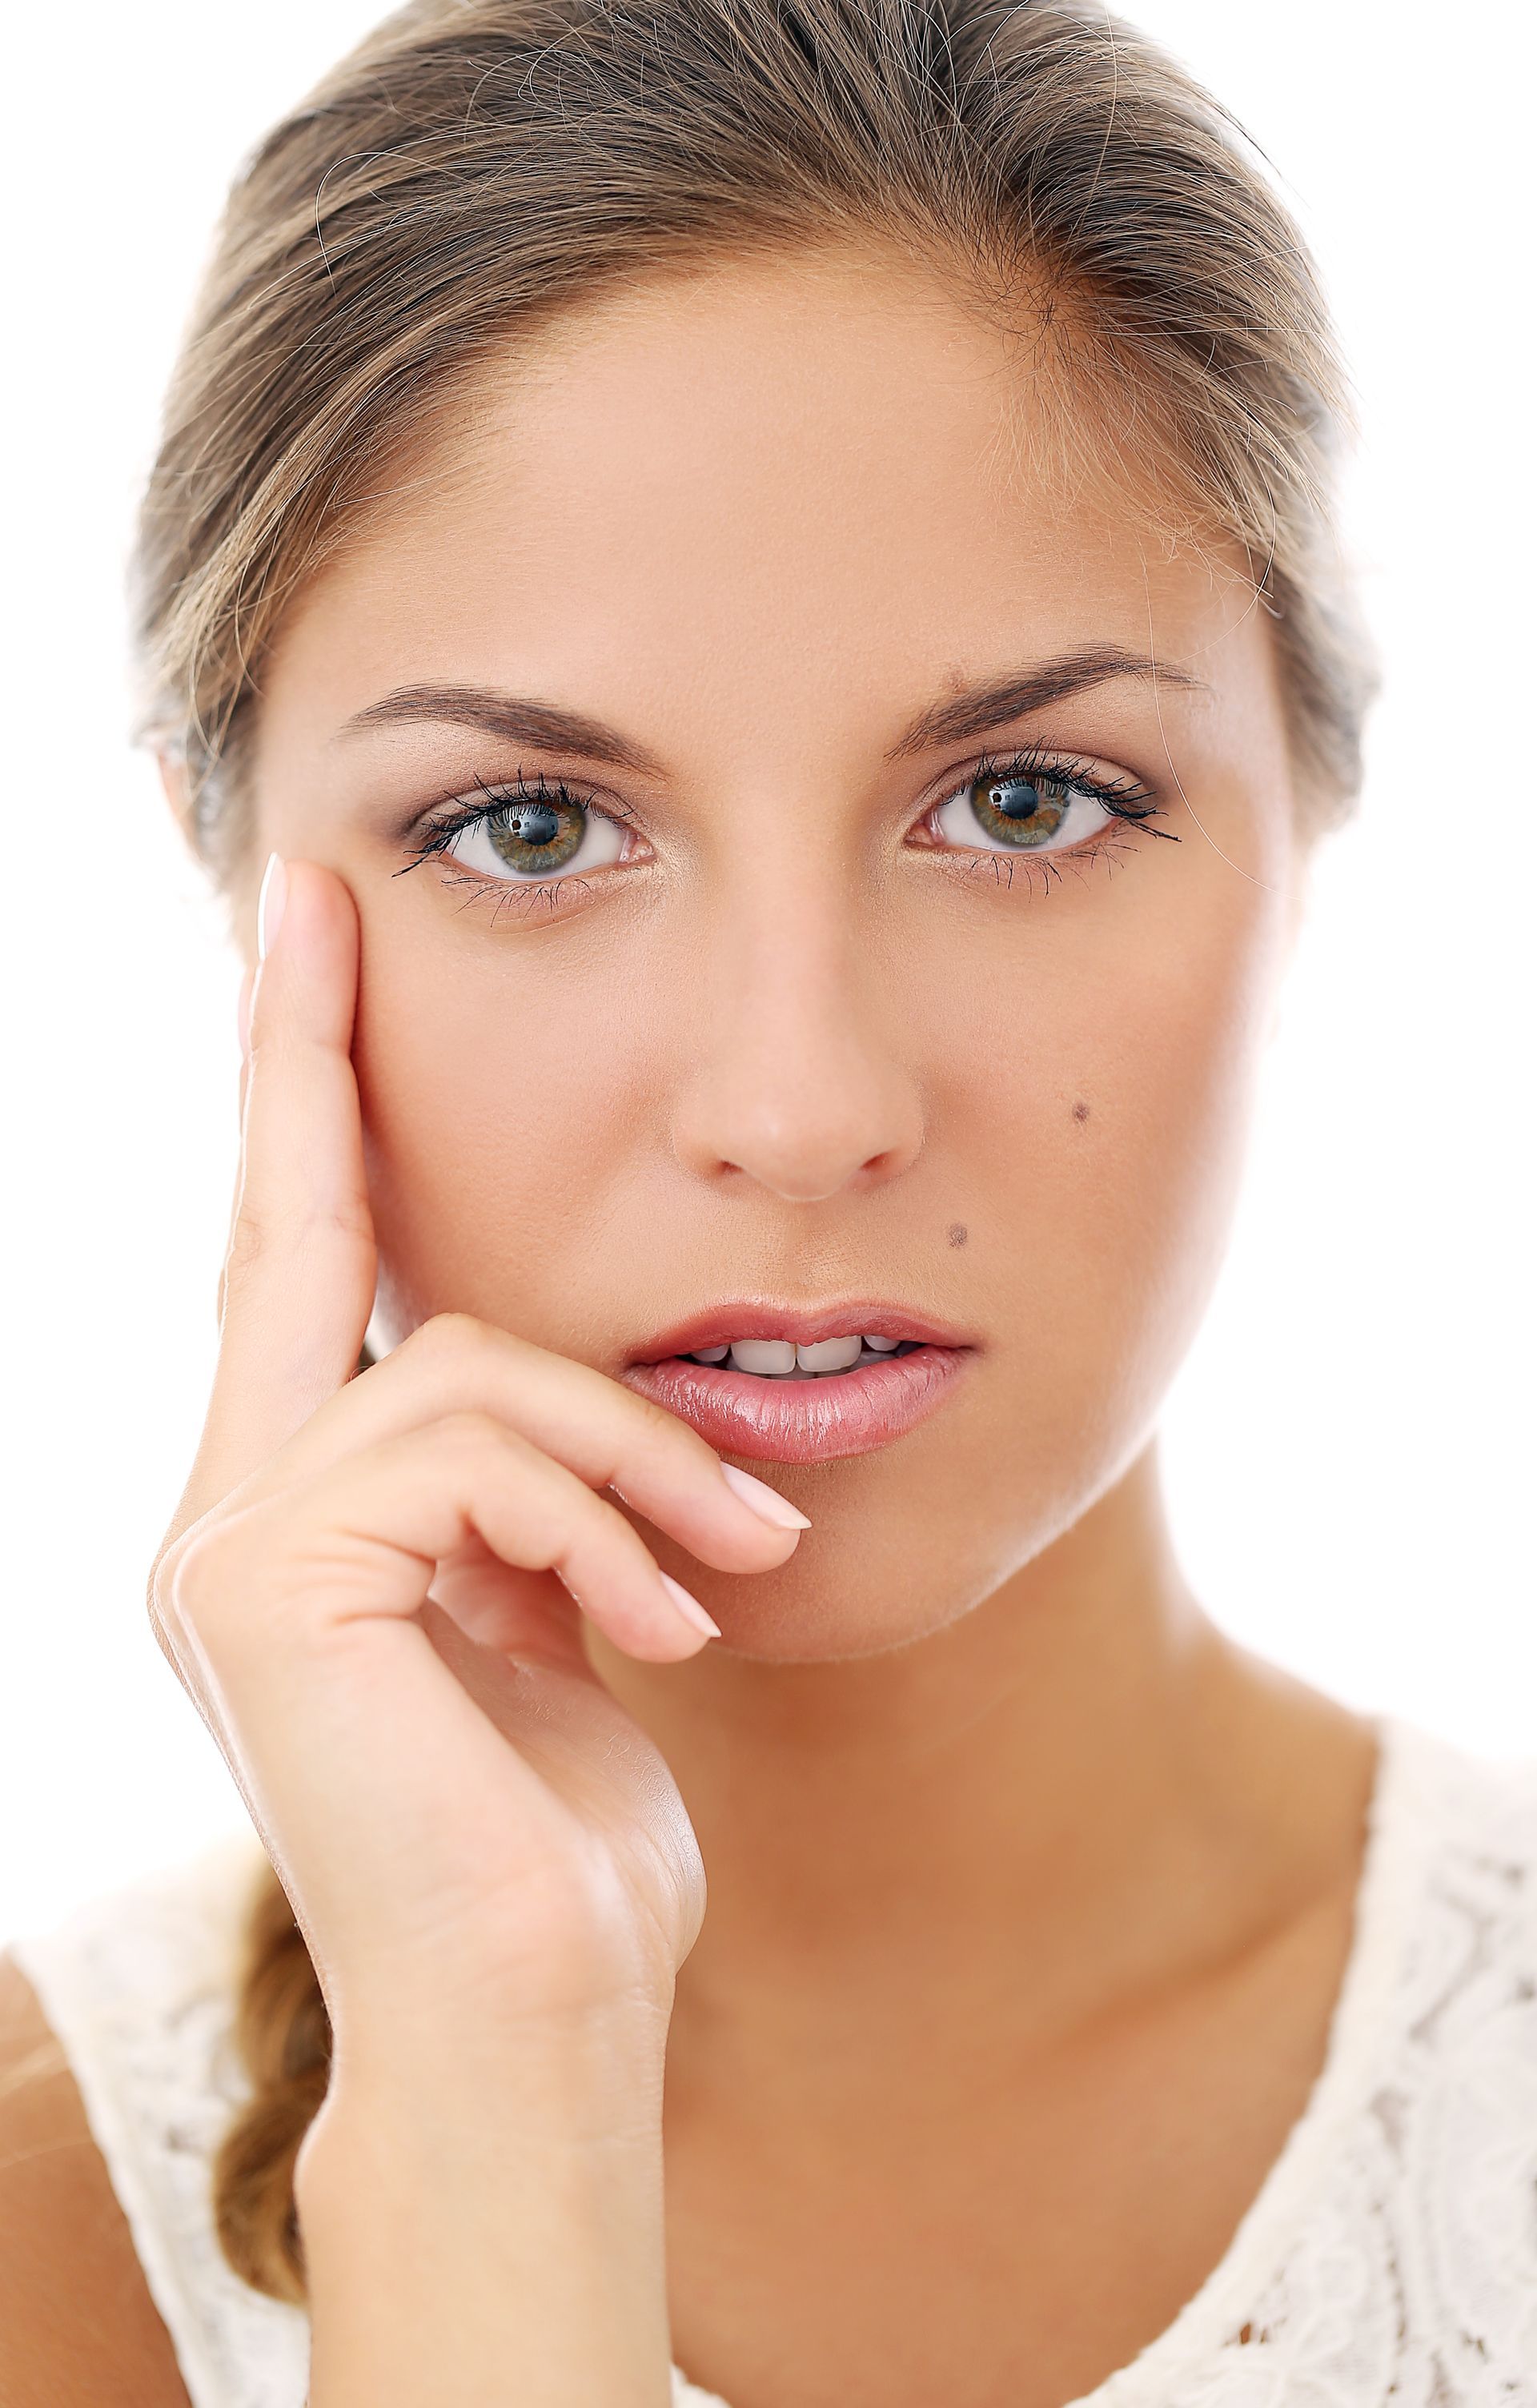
[592, 2086]
[475, 2246]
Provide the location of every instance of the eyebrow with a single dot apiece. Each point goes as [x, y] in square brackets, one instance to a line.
[977, 708]
[518, 718]
[521, 719]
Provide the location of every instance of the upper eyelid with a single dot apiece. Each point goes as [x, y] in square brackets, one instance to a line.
[487, 794]
[436, 827]
[1050, 759]
[468, 808]
[441, 822]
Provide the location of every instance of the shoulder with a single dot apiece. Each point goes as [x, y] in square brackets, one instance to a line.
[1463, 1837]
[1415, 2171]
[134, 1994]
[1460, 2032]
[76, 2322]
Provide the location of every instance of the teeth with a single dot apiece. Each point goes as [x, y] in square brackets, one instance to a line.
[780, 1358]
[763, 1354]
[829, 1355]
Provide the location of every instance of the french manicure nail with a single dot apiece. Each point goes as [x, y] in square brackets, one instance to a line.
[766, 1502]
[242, 1014]
[689, 1607]
[269, 904]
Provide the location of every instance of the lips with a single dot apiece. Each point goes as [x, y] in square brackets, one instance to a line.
[801, 1420]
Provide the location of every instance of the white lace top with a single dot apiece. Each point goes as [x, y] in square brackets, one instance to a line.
[1389, 2259]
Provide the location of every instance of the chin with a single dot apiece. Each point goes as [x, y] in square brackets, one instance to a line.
[899, 1560]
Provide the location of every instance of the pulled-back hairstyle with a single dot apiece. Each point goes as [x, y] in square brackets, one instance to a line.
[478, 168]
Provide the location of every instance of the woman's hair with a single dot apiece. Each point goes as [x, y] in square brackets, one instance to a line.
[479, 167]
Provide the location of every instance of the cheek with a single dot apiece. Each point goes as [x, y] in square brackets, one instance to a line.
[498, 1106]
[1113, 1126]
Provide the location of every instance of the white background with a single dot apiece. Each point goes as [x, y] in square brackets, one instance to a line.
[1348, 1450]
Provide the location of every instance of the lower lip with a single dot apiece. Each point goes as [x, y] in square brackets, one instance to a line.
[802, 1421]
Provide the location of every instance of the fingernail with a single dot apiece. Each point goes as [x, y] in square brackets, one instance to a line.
[242, 1013]
[766, 1502]
[689, 1607]
[269, 905]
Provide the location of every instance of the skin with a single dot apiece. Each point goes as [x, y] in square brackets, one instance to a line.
[756, 523]
[1029, 1894]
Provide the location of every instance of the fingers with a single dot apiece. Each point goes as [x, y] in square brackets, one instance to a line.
[299, 1286]
[298, 1281]
[249, 1601]
[242, 1024]
[600, 1430]
[299, 1626]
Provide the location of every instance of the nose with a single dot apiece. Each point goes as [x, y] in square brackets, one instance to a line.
[797, 1080]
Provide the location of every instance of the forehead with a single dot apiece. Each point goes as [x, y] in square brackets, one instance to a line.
[768, 484]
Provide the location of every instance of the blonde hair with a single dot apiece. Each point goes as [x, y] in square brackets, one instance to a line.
[478, 166]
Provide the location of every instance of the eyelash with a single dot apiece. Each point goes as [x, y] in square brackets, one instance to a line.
[1127, 802]
[441, 830]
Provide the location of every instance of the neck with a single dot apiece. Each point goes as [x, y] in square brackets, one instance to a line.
[1066, 1796]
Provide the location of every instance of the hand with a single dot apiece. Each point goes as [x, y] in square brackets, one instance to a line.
[373, 1584]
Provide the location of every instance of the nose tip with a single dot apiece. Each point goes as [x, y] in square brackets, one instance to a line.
[803, 1106]
[806, 1166]
[803, 1157]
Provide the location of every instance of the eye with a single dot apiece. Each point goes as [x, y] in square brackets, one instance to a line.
[1024, 809]
[536, 836]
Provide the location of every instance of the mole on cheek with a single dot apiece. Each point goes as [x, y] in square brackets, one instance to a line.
[956, 1233]
[1080, 1112]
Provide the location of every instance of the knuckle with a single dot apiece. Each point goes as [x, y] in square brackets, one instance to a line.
[346, 1216]
[254, 1235]
[446, 1341]
[157, 1598]
[467, 1437]
[179, 1586]
[248, 1241]
[223, 1594]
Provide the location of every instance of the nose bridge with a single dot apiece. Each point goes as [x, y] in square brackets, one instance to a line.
[799, 1079]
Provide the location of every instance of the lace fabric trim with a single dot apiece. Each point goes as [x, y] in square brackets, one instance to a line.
[1389, 2259]
[139, 1986]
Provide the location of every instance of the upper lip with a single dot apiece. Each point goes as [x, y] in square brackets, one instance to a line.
[805, 1324]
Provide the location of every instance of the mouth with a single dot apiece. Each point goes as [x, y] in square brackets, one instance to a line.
[780, 1385]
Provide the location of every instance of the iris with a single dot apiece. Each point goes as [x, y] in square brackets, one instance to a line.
[1021, 812]
[537, 834]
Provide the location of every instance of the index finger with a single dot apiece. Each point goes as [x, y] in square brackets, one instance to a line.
[298, 1283]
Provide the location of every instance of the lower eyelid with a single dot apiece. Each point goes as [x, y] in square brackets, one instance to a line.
[534, 888]
[518, 896]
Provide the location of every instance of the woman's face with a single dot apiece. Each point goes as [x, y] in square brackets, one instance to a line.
[870, 983]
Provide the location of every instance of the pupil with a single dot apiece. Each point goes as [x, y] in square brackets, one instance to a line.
[535, 824]
[537, 834]
[1021, 811]
[1016, 798]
